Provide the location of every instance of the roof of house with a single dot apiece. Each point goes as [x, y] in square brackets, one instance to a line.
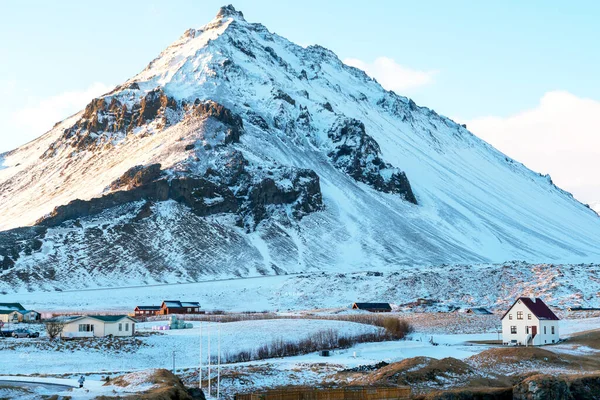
[479, 310]
[383, 306]
[12, 306]
[103, 318]
[180, 304]
[148, 307]
[537, 307]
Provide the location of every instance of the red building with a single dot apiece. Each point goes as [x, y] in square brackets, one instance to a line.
[180, 307]
[146, 311]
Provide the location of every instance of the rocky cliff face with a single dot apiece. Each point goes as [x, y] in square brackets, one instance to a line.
[237, 153]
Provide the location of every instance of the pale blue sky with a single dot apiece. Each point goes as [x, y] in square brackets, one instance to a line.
[489, 58]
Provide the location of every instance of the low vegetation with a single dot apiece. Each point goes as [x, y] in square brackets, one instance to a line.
[391, 329]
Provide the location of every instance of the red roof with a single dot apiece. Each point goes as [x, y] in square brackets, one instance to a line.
[537, 307]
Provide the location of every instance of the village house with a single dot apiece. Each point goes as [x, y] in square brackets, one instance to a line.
[15, 312]
[83, 326]
[372, 307]
[529, 322]
[146, 311]
[179, 307]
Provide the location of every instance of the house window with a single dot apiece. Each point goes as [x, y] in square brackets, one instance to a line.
[189, 310]
[120, 327]
[519, 314]
[552, 329]
[126, 326]
[196, 309]
[86, 328]
[527, 330]
[544, 330]
[509, 316]
[528, 316]
[513, 330]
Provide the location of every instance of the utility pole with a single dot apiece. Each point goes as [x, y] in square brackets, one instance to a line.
[209, 361]
[219, 366]
[200, 369]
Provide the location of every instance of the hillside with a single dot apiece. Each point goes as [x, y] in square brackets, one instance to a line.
[239, 153]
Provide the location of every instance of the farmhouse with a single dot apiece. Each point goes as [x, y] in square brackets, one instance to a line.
[372, 307]
[180, 307]
[97, 326]
[529, 322]
[146, 311]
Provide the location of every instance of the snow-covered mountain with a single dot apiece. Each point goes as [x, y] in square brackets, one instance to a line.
[238, 153]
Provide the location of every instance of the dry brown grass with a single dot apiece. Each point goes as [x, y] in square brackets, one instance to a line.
[509, 355]
[588, 338]
[418, 370]
[168, 387]
[473, 393]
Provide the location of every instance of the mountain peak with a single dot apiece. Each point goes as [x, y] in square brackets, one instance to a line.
[229, 12]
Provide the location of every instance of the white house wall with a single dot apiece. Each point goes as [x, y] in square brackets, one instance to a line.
[71, 329]
[112, 328]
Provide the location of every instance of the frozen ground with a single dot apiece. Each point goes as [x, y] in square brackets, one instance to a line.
[487, 285]
[28, 357]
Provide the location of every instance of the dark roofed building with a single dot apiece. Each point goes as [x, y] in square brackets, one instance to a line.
[373, 307]
[529, 322]
[537, 307]
[478, 311]
[146, 311]
[180, 307]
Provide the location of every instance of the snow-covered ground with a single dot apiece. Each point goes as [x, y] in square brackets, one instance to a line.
[156, 351]
[27, 358]
[492, 286]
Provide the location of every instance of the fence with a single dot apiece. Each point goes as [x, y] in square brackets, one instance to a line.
[347, 393]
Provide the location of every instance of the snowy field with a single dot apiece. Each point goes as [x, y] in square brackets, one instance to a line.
[156, 350]
[487, 285]
[27, 357]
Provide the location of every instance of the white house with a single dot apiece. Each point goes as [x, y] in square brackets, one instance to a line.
[98, 326]
[529, 322]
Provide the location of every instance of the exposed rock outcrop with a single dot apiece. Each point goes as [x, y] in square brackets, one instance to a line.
[230, 189]
[137, 176]
[358, 154]
[108, 118]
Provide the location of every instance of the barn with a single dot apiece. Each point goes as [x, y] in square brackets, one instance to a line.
[372, 307]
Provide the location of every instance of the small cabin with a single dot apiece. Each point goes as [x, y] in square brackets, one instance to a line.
[478, 311]
[529, 322]
[372, 307]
